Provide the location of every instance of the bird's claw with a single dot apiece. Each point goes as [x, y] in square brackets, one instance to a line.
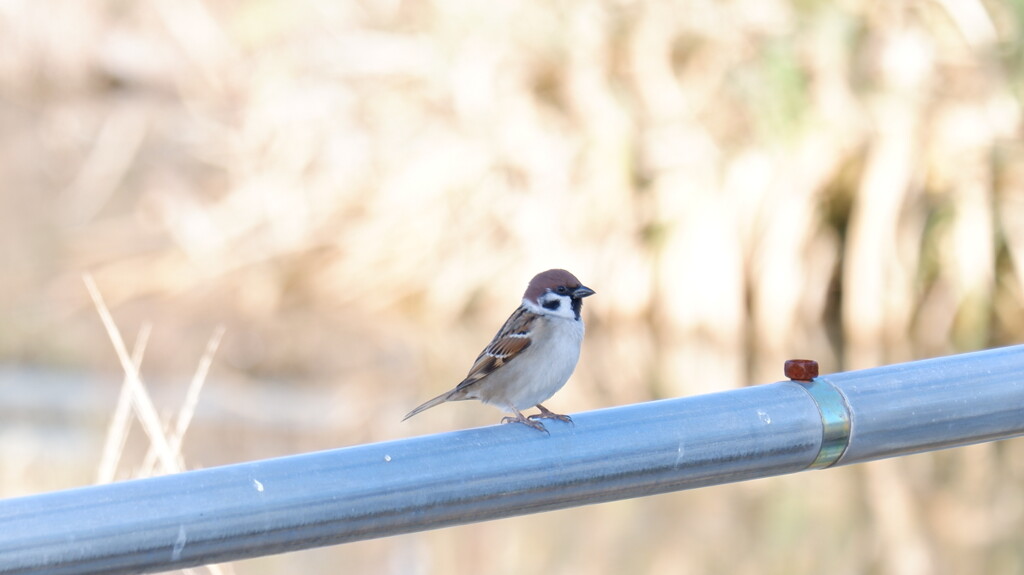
[546, 413]
[557, 416]
[525, 421]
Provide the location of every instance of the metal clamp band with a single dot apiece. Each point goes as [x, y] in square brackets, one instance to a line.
[835, 421]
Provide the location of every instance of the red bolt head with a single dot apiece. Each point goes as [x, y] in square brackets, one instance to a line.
[801, 369]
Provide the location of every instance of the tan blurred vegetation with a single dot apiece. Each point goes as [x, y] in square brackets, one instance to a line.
[359, 192]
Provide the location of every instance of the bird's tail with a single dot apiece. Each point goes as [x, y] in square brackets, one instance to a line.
[428, 404]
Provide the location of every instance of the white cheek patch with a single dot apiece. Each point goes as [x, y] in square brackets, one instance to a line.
[557, 305]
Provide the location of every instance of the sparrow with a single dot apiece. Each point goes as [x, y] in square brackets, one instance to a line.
[532, 355]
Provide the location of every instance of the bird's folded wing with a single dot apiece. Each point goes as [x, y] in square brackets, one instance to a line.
[510, 341]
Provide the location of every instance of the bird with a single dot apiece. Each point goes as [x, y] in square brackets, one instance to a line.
[532, 355]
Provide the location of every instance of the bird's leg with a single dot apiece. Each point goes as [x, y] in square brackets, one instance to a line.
[546, 413]
[520, 418]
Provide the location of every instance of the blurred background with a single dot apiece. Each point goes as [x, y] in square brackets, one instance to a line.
[358, 192]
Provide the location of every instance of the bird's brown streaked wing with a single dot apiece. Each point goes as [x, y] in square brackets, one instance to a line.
[510, 341]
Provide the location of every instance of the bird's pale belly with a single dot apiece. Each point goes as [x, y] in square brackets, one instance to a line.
[537, 374]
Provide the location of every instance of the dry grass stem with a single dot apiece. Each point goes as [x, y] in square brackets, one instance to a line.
[188, 407]
[120, 422]
[141, 401]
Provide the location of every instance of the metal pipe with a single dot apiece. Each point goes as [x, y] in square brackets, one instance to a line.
[382, 489]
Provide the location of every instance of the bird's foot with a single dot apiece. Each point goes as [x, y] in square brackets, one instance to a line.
[520, 418]
[546, 413]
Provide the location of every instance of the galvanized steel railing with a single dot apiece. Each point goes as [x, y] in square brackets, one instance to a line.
[381, 489]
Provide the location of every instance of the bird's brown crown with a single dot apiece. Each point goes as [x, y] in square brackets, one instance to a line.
[550, 279]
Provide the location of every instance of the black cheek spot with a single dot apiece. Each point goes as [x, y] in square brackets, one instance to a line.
[553, 304]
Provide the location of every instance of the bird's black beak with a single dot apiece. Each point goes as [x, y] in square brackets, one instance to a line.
[582, 292]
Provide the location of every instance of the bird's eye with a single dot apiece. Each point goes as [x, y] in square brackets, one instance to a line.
[562, 290]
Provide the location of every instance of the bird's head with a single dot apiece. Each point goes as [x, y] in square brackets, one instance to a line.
[558, 293]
